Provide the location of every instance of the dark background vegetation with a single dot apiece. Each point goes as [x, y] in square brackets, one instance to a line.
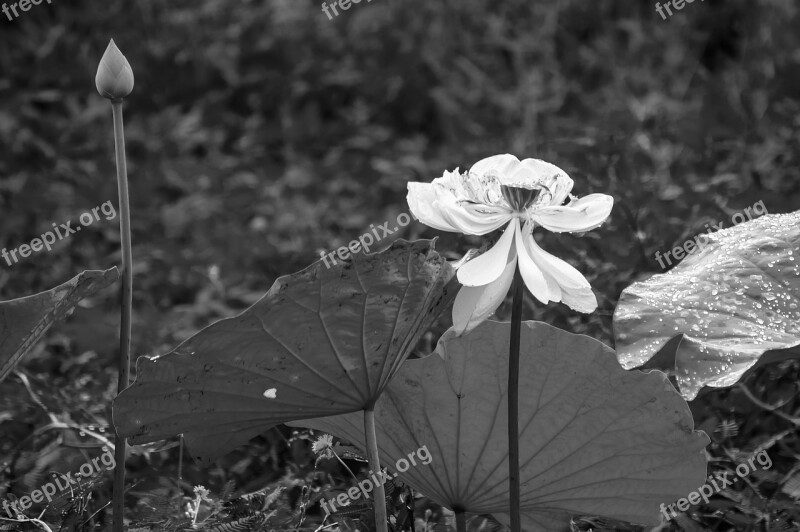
[260, 133]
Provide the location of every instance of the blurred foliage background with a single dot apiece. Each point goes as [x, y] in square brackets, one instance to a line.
[261, 133]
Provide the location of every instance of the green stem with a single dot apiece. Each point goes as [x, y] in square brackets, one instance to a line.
[513, 400]
[375, 466]
[344, 465]
[461, 521]
[180, 459]
[126, 300]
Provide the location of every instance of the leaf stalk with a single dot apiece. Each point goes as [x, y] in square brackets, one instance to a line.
[126, 303]
[513, 399]
[375, 466]
[461, 521]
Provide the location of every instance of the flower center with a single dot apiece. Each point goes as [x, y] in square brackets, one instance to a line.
[521, 198]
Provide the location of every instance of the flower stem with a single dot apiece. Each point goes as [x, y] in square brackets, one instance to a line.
[461, 521]
[513, 399]
[375, 466]
[344, 465]
[126, 301]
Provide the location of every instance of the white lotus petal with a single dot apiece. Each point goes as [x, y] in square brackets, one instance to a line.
[533, 172]
[580, 300]
[575, 290]
[449, 179]
[580, 215]
[438, 207]
[468, 256]
[474, 304]
[473, 220]
[542, 288]
[421, 200]
[468, 188]
[561, 271]
[487, 267]
[496, 165]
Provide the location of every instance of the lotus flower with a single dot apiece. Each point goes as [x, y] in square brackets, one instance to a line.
[114, 78]
[503, 191]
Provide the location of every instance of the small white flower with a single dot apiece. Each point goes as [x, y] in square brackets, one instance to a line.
[323, 444]
[502, 190]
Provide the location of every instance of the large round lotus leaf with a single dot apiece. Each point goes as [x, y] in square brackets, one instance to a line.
[320, 342]
[24, 321]
[733, 301]
[594, 439]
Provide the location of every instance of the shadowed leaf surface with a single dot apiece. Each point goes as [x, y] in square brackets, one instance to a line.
[594, 439]
[320, 342]
[23, 321]
[733, 301]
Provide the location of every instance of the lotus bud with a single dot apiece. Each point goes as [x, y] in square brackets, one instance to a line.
[114, 78]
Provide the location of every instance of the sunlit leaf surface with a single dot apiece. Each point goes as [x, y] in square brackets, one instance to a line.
[594, 439]
[734, 300]
[24, 321]
[320, 342]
